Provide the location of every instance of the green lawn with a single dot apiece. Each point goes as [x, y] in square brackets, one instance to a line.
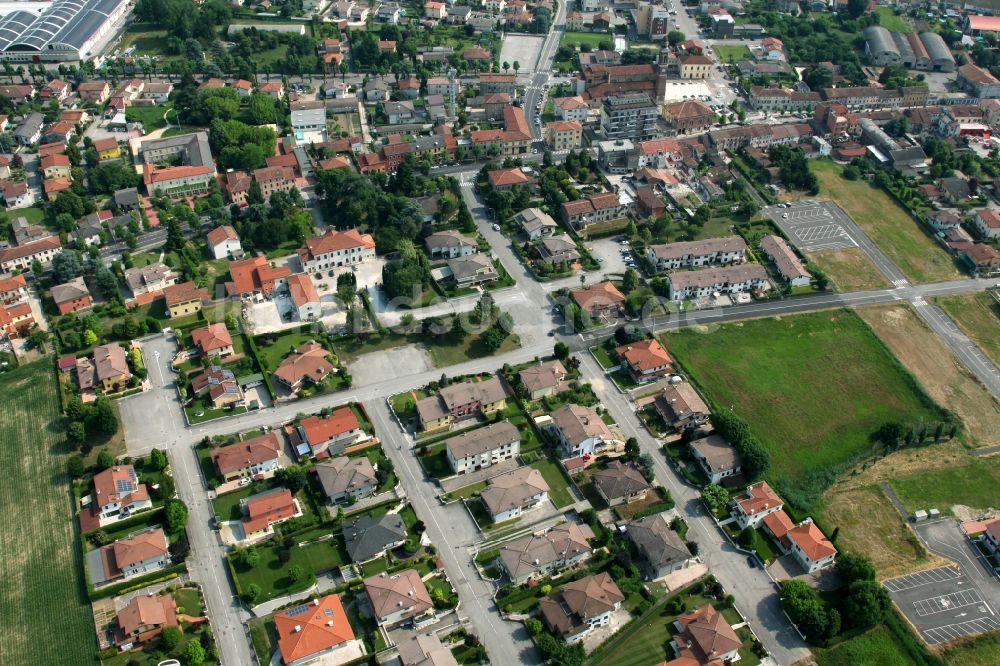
[973, 484]
[731, 53]
[470, 348]
[603, 357]
[978, 315]
[151, 117]
[891, 22]
[553, 474]
[271, 575]
[812, 387]
[592, 38]
[41, 567]
[189, 599]
[889, 226]
[877, 647]
[467, 491]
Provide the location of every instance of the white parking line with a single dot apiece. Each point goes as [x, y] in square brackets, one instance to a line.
[922, 578]
[946, 602]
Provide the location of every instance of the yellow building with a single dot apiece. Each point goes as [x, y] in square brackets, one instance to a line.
[564, 135]
[184, 299]
[695, 67]
[107, 149]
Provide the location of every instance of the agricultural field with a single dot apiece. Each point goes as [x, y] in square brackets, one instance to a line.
[973, 484]
[893, 230]
[40, 567]
[812, 387]
[849, 270]
[942, 376]
[877, 646]
[891, 22]
[978, 315]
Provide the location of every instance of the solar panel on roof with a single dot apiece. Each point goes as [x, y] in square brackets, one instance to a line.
[123, 486]
[298, 610]
[328, 612]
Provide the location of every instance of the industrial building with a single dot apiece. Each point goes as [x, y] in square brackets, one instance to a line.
[68, 31]
[926, 51]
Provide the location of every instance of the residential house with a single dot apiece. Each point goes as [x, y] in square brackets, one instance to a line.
[53, 186]
[592, 209]
[461, 400]
[535, 223]
[543, 379]
[395, 598]
[21, 257]
[273, 89]
[149, 279]
[219, 385]
[571, 109]
[514, 139]
[335, 249]
[600, 300]
[127, 199]
[579, 431]
[72, 296]
[261, 512]
[991, 536]
[248, 458]
[977, 82]
[322, 436]
[580, 606]
[143, 618]
[483, 447]
[812, 549]
[13, 289]
[30, 129]
[449, 245]
[343, 478]
[786, 261]
[564, 135]
[94, 91]
[111, 367]
[224, 242]
[758, 502]
[213, 340]
[661, 550]
[705, 636]
[557, 250]
[509, 495]
[708, 252]
[681, 407]
[16, 319]
[308, 363]
[107, 148]
[497, 83]
[274, 179]
[987, 222]
[645, 360]
[184, 299]
[547, 552]
[620, 483]
[313, 631]
[117, 495]
[734, 279]
[982, 259]
[943, 220]
[366, 538]
[18, 94]
[507, 179]
[256, 277]
[468, 271]
[134, 555]
[717, 458]
[377, 89]
[157, 92]
[304, 297]
[16, 194]
[55, 166]
[424, 649]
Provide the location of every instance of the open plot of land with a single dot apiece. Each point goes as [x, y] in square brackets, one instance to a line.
[877, 646]
[573, 38]
[931, 361]
[849, 270]
[943, 604]
[731, 52]
[40, 567]
[973, 484]
[524, 50]
[887, 224]
[978, 315]
[891, 22]
[812, 387]
[870, 525]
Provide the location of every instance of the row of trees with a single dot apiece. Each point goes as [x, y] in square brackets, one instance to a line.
[736, 431]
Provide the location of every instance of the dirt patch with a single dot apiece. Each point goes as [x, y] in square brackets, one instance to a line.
[849, 270]
[940, 373]
[870, 525]
[377, 367]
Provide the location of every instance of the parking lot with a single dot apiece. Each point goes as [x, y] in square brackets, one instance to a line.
[523, 49]
[609, 253]
[944, 604]
[814, 226]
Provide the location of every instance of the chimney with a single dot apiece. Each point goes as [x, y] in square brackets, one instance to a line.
[315, 602]
[329, 623]
[298, 628]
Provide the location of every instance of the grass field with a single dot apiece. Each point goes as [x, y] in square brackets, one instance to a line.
[871, 526]
[812, 387]
[891, 227]
[731, 52]
[272, 354]
[849, 270]
[932, 363]
[592, 38]
[151, 117]
[888, 20]
[272, 575]
[973, 484]
[982, 650]
[978, 315]
[559, 491]
[877, 647]
[40, 567]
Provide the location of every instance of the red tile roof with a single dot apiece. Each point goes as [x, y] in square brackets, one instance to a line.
[811, 540]
[334, 240]
[221, 234]
[211, 337]
[645, 355]
[241, 455]
[267, 508]
[312, 628]
[321, 429]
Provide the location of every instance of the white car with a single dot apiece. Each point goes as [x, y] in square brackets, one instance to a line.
[784, 216]
[496, 227]
[245, 481]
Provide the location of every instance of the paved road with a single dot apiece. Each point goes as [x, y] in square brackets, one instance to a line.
[755, 593]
